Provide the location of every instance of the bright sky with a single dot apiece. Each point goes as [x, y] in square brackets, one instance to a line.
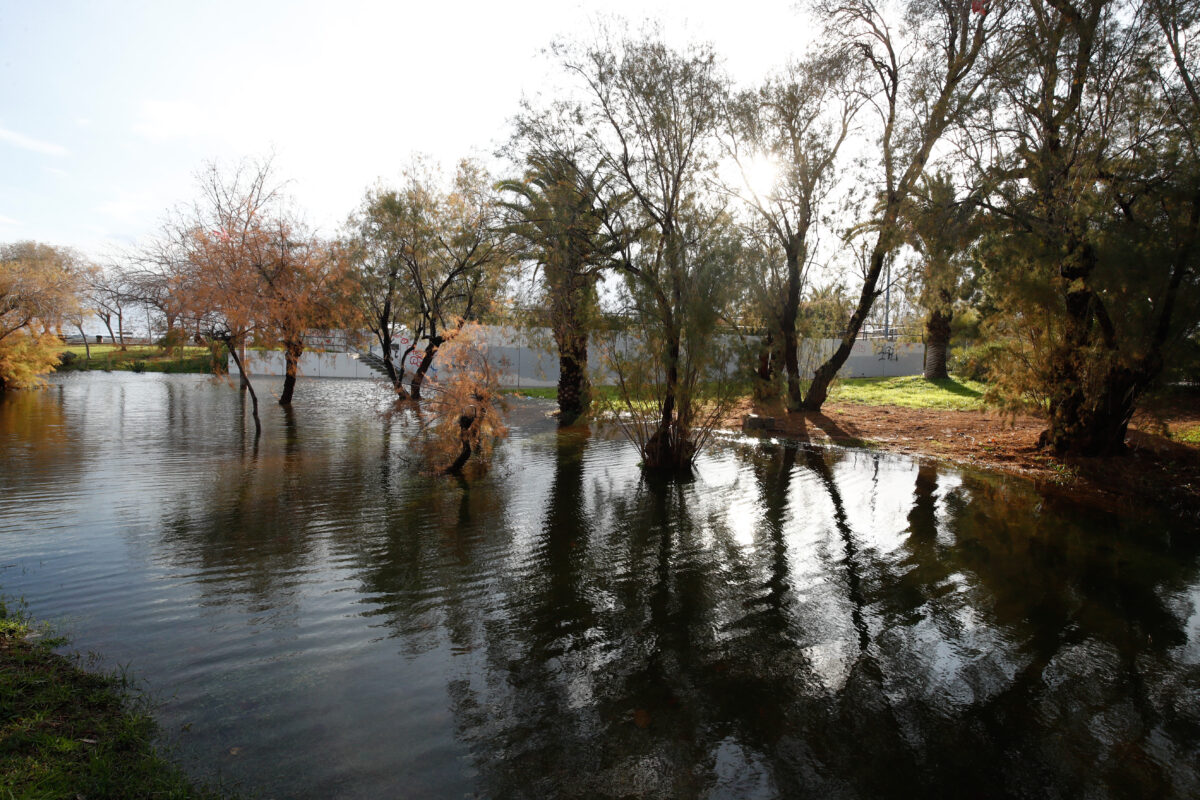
[109, 109]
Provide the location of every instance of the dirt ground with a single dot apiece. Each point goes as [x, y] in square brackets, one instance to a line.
[1156, 469]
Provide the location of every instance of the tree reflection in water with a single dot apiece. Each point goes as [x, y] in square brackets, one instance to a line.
[641, 649]
[795, 621]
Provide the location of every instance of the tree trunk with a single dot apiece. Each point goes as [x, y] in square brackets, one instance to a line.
[937, 342]
[465, 423]
[767, 364]
[87, 349]
[573, 389]
[233, 353]
[787, 323]
[1082, 427]
[1087, 416]
[414, 389]
[668, 447]
[818, 390]
[292, 349]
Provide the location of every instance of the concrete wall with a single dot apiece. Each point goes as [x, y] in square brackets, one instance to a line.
[527, 358]
[312, 365]
[869, 358]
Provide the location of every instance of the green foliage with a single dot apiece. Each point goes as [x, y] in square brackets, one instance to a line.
[976, 362]
[556, 216]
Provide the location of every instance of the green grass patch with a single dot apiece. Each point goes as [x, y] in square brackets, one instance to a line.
[143, 358]
[1188, 435]
[542, 392]
[911, 391]
[67, 733]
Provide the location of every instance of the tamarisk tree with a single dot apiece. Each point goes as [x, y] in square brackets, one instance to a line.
[918, 86]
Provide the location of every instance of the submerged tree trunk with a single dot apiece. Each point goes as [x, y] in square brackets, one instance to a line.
[670, 446]
[937, 343]
[292, 349]
[466, 421]
[573, 389]
[233, 353]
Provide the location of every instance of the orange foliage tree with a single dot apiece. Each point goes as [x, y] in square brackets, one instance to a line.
[462, 417]
[251, 271]
[38, 289]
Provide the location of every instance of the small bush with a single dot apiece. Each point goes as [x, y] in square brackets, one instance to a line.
[973, 363]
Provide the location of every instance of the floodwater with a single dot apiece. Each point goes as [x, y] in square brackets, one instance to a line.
[320, 620]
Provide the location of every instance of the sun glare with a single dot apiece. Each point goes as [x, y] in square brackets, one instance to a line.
[757, 174]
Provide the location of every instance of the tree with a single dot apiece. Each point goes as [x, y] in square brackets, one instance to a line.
[655, 112]
[231, 246]
[1096, 210]
[941, 227]
[108, 294]
[382, 229]
[454, 252]
[156, 272]
[38, 289]
[795, 124]
[557, 217]
[463, 415]
[916, 95]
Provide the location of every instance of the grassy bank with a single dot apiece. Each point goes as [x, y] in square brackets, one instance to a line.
[67, 733]
[143, 358]
[910, 392]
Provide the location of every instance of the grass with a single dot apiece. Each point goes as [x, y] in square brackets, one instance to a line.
[143, 358]
[68, 733]
[542, 392]
[1188, 435]
[910, 392]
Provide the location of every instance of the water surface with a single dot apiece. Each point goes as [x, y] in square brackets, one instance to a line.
[321, 620]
